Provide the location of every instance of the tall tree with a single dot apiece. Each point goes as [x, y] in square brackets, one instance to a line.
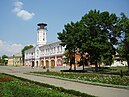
[67, 37]
[24, 49]
[124, 38]
[98, 35]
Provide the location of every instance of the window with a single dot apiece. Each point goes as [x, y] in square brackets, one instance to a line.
[58, 49]
[54, 49]
[37, 51]
[46, 50]
[61, 48]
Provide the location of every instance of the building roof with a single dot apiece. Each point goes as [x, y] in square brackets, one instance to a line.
[18, 54]
[42, 24]
[30, 50]
[50, 44]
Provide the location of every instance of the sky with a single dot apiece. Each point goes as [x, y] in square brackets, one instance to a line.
[19, 18]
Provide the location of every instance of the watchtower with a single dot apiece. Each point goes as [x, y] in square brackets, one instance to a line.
[41, 34]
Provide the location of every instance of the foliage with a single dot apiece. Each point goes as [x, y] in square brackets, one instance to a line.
[25, 88]
[24, 49]
[123, 49]
[96, 33]
[98, 39]
[3, 59]
[92, 77]
[67, 38]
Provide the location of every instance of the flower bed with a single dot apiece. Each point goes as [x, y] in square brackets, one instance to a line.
[93, 77]
[5, 79]
[20, 87]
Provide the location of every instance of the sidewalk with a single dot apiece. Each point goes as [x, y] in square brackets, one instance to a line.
[99, 91]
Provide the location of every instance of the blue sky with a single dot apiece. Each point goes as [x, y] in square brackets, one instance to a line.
[19, 18]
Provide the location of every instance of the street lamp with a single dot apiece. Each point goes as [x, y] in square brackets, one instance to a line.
[13, 60]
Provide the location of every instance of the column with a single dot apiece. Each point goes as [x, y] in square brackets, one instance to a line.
[49, 62]
[55, 61]
[44, 62]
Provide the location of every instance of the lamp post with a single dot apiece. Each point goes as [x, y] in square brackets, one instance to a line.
[13, 60]
[0, 60]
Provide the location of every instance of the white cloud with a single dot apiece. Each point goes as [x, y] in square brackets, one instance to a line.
[20, 12]
[9, 48]
[25, 15]
[18, 6]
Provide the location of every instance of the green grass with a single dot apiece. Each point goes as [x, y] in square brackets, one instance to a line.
[92, 77]
[118, 68]
[20, 87]
[115, 70]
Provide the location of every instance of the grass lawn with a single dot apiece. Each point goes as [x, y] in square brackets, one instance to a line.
[115, 70]
[14, 87]
[92, 77]
[124, 68]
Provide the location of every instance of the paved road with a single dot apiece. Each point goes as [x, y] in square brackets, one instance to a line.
[99, 91]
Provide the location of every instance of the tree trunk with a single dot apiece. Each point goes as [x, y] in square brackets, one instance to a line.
[74, 60]
[83, 66]
[74, 63]
[74, 66]
[128, 64]
[96, 66]
[70, 65]
[84, 63]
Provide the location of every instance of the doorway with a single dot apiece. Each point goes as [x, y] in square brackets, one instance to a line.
[52, 64]
[36, 63]
[47, 64]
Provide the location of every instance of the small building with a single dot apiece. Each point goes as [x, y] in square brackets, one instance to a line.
[118, 61]
[29, 57]
[15, 60]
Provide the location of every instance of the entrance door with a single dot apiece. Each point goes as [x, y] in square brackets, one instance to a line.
[42, 63]
[36, 63]
[47, 64]
[52, 63]
[32, 63]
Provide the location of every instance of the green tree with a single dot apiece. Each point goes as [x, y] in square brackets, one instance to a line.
[24, 49]
[121, 51]
[124, 38]
[4, 59]
[96, 33]
[67, 37]
[99, 37]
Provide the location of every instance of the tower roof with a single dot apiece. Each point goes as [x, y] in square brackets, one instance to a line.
[42, 24]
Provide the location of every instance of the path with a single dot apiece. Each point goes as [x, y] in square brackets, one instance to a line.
[99, 91]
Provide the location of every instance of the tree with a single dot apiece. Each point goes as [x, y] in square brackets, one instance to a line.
[121, 51]
[24, 49]
[96, 33]
[67, 37]
[4, 59]
[124, 38]
[99, 37]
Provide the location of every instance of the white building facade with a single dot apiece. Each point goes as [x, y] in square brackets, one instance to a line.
[29, 57]
[43, 54]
